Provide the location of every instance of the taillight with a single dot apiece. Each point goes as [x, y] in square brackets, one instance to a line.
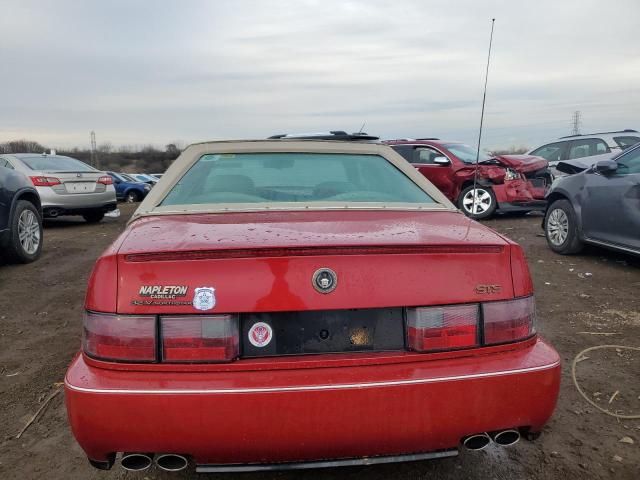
[509, 321]
[105, 180]
[442, 328]
[199, 339]
[45, 181]
[120, 337]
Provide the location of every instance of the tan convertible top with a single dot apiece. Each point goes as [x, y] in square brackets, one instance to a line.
[151, 204]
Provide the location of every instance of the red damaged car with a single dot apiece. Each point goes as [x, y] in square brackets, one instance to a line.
[506, 183]
[296, 304]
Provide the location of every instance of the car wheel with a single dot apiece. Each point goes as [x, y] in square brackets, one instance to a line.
[561, 228]
[25, 243]
[132, 197]
[93, 217]
[477, 204]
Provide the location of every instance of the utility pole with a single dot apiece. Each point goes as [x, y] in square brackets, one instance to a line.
[94, 153]
[576, 120]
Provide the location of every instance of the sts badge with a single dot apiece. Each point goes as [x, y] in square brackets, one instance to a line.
[204, 298]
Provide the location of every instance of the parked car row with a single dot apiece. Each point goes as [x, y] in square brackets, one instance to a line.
[128, 188]
[38, 186]
[598, 205]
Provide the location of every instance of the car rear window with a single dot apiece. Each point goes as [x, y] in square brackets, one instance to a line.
[56, 164]
[625, 142]
[294, 177]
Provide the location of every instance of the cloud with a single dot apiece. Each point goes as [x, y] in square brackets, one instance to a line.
[154, 71]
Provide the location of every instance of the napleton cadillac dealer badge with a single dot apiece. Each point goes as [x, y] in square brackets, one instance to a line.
[159, 295]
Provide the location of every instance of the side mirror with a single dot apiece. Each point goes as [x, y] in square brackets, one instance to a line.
[441, 160]
[605, 167]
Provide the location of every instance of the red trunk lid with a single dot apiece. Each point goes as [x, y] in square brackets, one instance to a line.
[265, 261]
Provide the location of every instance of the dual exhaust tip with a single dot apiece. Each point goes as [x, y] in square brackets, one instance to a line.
[480, 441]
[171, 462]
[138, 462]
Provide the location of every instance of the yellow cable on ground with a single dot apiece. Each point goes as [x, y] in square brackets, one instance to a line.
[575, 380]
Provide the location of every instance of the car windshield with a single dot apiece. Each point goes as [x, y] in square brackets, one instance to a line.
[294, 177]
[465, 153]
[128, 178]
[56, 164]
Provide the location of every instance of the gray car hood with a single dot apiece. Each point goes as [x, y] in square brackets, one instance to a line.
[581, 164]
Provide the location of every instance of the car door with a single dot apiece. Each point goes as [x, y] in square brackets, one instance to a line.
[437, 172]
[611, 209]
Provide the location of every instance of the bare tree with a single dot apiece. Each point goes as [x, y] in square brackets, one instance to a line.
[22, 146]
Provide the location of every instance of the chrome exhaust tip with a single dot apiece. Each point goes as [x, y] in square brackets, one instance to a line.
[171, 462]
[478, 441]
[136, 462]
[506, 438]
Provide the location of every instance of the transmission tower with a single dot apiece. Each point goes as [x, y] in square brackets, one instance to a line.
[576, 120]
[94, 153]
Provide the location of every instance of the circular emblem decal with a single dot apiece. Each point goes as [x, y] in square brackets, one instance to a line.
[324, 280]
[260, 334]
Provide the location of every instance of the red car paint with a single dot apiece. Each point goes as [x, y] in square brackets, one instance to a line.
[516, 194]
[309, 407]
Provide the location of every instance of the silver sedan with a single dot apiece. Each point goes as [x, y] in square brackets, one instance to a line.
[66, 186]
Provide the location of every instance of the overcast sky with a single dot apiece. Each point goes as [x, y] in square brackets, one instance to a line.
[140, 72]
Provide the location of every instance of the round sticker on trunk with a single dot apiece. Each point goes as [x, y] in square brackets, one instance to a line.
[260, 334]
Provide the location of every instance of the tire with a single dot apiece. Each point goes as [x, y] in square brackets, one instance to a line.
[93, 217]
[25, 236]
[132, 196]
[561, 228]
[485, 209]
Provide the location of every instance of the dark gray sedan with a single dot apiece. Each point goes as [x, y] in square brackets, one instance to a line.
[600, 206]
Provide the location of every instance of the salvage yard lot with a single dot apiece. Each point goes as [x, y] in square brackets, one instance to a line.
[583, 301]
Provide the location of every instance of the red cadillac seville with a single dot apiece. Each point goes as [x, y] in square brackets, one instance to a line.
[292, 304]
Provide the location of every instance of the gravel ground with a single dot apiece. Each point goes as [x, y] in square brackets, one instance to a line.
[583, 301]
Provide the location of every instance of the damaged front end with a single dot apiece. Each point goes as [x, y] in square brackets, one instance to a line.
[519, 182]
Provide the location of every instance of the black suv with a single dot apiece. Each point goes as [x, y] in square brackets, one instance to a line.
[20, 216]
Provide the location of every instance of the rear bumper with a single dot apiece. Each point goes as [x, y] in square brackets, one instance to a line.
[71, 201]
[59, 210]
[311, 414]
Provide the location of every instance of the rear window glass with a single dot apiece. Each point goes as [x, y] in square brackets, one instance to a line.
[56, 164]
[294, 177]
[624, 142]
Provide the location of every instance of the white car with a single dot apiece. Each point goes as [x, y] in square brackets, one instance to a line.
[581, 146]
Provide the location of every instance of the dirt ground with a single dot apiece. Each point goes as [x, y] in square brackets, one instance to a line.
[583, 301]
